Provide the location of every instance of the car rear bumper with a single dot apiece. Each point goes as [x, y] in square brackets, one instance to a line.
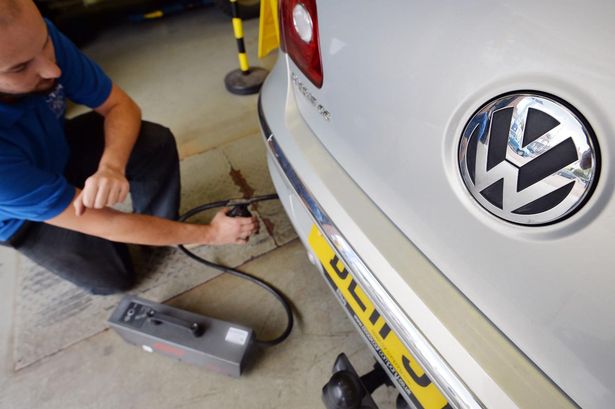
[306, 211]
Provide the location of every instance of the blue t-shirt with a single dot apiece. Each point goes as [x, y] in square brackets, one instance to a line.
[33, 147]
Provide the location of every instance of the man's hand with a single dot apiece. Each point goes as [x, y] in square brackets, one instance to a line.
[232, 230]
[107, 187]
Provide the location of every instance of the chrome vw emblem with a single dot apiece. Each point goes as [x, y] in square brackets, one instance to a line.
[528, 159]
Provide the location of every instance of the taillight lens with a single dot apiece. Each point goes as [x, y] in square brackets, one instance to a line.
[299, 26]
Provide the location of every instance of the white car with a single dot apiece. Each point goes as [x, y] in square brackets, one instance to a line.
[448, 166]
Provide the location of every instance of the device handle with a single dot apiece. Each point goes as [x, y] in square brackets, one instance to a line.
[158, 318]
[240, 210]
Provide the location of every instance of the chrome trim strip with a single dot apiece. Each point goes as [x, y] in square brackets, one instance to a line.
[456, 392]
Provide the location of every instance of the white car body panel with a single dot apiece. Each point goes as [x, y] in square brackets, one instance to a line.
[401, 80]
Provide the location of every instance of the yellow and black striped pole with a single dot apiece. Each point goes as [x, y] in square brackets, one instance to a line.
[244, 65]
[245, 80]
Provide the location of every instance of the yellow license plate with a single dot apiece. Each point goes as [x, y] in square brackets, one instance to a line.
[397, 359]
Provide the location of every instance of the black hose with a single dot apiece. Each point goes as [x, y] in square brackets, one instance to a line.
[258, 281]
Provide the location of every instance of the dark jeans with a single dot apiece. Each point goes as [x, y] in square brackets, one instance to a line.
[98, 265]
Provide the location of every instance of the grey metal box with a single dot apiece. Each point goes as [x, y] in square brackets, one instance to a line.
[217, 345]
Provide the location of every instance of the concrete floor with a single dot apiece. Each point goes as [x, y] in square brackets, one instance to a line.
[174, 68]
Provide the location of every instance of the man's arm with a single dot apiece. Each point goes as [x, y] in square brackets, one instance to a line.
[109, 185]
[133, 228]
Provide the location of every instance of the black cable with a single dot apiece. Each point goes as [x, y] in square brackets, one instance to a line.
[258, 281]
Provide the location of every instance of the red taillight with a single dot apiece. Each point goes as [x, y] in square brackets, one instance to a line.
[299, 27]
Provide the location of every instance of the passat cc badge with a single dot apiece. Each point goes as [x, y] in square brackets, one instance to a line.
[529, 159]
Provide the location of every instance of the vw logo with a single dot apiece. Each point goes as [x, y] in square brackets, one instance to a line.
[528, 158]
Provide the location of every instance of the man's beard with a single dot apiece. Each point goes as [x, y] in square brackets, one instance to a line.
[14, 97]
